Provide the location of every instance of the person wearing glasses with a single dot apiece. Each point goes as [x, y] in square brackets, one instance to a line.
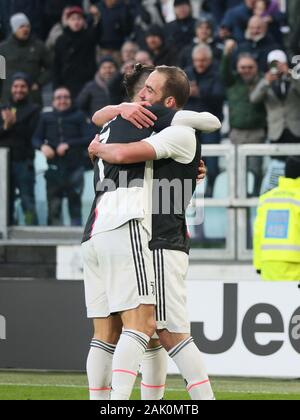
[248, 121]
[62, 136]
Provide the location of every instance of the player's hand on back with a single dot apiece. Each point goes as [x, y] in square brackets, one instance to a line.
[93, 148]
[202, 171]
[137, 114]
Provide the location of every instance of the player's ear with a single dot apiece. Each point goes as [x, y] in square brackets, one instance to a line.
[170, 102]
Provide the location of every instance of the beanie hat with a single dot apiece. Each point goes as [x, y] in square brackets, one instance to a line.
[22, 76]
[74, 10]
[107, 59]
[18, 20]
[155, 30]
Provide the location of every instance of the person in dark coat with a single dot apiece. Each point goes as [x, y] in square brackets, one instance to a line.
[258, 42]
[161, 54]
[18, 122]
[181, 31]
[219, 7]
[74, 53]
[207, 95]
[62, 136]
[95, 95]
[24, 52]
[34, 10]
[236, 20]
[53, 10]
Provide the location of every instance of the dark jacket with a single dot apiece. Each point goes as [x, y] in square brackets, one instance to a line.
[259, 50]
[167, 56]
[18, 138]
[69, 127]
[31, 57]
[180, 32]
[93, 97]
[236, 20]
[116, 24]
[220, 7]
[244, 115]
[211, 92]
[74, 59]
[4, 18]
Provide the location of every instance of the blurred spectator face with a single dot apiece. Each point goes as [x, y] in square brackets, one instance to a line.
[183, 11]
[250, 3]
[203, 32]
[153, 42]
[202, 60]
[110, 3]
[62, 100]
[153, 89]
[247, 69]
[76, 22]
[23, 33]
[19, 90]
[129, 51]
[260, 8]
[257, 28]
[107, 71]
[143, 57]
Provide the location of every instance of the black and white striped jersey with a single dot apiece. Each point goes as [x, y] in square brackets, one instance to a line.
[124, 192]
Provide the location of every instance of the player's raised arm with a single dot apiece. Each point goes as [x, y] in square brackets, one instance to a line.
[136, 113]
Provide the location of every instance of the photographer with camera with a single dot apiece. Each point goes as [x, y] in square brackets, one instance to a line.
[281, 95]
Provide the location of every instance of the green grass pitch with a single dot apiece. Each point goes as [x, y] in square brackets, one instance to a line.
[60, 386]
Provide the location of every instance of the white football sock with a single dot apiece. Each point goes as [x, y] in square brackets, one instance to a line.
[154, 373]
[126, 362]
[99, 369]
[189, 361]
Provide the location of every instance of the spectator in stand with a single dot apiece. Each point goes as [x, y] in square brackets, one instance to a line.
[116, 86]
[117, 21]
[128, 51]
[207, 95]
[219, 7]
[18, 121]
[95, 95]
[269, 11]
[248, 121]
[295, 41]
[34, 10]
[62, 136]
[53, 10]
[75, 53]
[161, 54]
[258, 42]
[144, 58]
[25, 53]
[181, 31]
[204, 31]
[280, 93]
[236, 20]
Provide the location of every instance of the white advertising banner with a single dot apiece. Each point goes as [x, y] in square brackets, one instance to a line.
[244, 328]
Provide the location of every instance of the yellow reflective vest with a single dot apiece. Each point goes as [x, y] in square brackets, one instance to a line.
[277, 233]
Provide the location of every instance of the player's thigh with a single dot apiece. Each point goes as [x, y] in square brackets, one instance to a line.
[130, 278]
[94, 282]
[108, 329]
[171, 268]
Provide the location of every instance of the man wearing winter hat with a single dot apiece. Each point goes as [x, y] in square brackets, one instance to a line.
[18, 121]
[161, 54]
[25, 53]
[181, 31]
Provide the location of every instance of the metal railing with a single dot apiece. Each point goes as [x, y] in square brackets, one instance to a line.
[237, 204]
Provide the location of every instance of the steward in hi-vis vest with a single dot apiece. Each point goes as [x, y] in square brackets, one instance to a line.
[277, 228]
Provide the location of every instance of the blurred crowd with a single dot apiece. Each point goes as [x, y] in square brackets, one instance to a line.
[236, 53]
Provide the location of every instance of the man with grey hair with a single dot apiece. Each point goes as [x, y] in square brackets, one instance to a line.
[207, 95]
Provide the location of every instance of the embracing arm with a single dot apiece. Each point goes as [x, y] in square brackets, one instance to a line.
[136, 113]
[201, 121]
[121, 154]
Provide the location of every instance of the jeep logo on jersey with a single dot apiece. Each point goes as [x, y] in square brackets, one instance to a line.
[251, 327]
[2, 328]
[2, 67]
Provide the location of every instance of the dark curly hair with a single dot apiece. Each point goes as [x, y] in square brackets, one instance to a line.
[134, 81]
